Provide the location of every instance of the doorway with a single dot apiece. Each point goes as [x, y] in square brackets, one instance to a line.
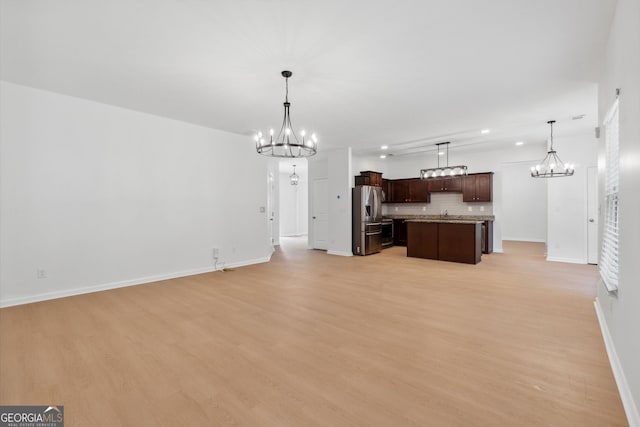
[320, 214]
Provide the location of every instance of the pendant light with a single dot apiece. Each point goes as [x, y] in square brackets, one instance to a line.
[286, 144]
[551, 166]
[294, 176]
[444, 170]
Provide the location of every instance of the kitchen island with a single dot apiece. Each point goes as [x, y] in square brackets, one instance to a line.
[445, 240]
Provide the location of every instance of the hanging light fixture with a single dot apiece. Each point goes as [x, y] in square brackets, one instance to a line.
[294, 176]
[286, 144]
[444, 170]
[551, 166]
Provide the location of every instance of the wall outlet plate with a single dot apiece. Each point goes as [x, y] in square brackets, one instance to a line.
[470, 208]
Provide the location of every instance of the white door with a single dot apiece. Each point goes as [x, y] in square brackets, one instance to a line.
[320, 214]
[592, 215]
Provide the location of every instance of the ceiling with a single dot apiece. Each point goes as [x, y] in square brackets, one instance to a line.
[366, 73]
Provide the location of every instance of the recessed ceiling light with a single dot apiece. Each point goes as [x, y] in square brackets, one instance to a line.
[483, 131]
[383, 156]
[520, 143]
[384, 147]
[441, 153]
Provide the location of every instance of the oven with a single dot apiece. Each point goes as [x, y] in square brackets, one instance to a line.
[387, 232]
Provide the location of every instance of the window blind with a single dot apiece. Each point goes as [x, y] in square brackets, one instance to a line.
[610, 232]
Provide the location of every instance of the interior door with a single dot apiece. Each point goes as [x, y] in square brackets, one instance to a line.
[592, 215]
[320, 214]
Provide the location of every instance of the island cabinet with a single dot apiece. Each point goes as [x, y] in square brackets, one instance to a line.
[442, 185]
[477, 187]
[423, 242]
[459, 241]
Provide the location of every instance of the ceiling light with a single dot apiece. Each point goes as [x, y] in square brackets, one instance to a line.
[383, 156]
[384, 147]
[485, 131]
[551, 166]
[286, 144]
[294, 177]
[520, 143]
[444, 170]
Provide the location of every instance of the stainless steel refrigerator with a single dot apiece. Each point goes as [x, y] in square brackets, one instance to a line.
[367, 219]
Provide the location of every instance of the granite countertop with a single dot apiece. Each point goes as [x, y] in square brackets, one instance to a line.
[448, 221]
[448, 218]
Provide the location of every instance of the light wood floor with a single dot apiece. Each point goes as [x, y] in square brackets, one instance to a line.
[316, 340]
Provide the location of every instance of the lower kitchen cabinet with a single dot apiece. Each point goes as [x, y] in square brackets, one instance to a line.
[422, 240]
[399, 232]
[445, 241]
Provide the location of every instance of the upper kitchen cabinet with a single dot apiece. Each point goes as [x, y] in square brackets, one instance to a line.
[418, 190]
[399, 189]
[386, 191]
[477, 187]
[414, 190]
[447, 184]
[369, 178]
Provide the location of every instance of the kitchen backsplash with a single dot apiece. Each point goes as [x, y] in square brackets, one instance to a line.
[452, 202]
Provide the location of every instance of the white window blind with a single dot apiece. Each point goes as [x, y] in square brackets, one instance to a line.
[611, 231]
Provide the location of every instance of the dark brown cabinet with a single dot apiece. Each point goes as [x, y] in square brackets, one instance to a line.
[440, 185]
[399, 190]
[369, 178]
[399, 232]
[477, 187]
[386, 191]
[418, 190]
[446, 241]
[414, 190]
[422, 240]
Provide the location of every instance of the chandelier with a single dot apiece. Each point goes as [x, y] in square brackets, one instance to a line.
[444, 170]
[551, 166]
[286, 144]
[294, 176]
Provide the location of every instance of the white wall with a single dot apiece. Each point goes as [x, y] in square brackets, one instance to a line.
[294, 202]
[567, 201]
[620, 313]
[340, 184]
[98, 196]
[524, 204]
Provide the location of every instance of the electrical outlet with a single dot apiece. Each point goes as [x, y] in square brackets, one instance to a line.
[396, 209]
[41, 274]
[470, 208]
[424, 208]
[481, 208]
[216, 253]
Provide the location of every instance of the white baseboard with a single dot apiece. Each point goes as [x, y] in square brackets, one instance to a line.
[633, 416]
[569, 260]
[341, 253]
[523, 239]
[498, 250]
[122, 284]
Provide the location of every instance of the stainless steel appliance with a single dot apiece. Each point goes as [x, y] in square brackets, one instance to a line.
[367, 217]
[387, 232]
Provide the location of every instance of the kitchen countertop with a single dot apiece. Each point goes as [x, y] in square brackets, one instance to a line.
[440, 218]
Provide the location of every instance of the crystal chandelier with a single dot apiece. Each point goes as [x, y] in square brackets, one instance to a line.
[286, 144]
[551, 166]
[444, 170]
[294, 176]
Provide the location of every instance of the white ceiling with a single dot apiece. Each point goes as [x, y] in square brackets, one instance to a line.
[365, 72]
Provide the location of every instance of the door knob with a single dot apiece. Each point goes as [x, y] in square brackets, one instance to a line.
[314, 217]
[591, 220]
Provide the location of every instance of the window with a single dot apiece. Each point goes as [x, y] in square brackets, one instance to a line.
[609, 255]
